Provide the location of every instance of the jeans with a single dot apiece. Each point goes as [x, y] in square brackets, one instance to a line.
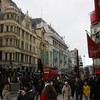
[86, 97]
[79, 96]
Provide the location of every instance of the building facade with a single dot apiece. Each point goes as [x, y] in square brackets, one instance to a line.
[20, 43]
[95, 27]
[95, 34]
[58, 49]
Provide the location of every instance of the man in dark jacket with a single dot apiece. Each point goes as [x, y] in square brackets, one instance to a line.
[96, 89]
[27, 93]
[79, 89]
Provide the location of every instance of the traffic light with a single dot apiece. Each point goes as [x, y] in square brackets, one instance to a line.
[75, 69]
[40, 65]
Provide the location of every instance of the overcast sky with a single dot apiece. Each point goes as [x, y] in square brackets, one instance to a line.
[70, 18]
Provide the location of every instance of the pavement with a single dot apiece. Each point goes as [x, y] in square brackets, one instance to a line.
[60, 97]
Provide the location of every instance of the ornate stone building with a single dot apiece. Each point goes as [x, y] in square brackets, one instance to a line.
[20, 43]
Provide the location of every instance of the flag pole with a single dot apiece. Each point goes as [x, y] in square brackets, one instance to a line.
[87, 32]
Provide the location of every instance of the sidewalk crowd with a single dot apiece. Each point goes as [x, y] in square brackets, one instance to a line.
[69, 86]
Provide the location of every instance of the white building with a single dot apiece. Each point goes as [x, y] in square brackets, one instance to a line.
[58, 50]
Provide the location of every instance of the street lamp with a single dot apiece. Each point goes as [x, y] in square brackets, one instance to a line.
[77, 59]
[84, 60]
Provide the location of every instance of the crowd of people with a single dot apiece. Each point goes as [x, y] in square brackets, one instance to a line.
[31, 88]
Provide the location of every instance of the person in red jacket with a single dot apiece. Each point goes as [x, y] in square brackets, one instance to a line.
[48, 93]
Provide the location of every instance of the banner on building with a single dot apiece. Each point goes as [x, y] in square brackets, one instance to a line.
[93, 48]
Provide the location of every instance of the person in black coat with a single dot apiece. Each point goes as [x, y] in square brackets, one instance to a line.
[96, 89]
[27, 93]
[79, 89]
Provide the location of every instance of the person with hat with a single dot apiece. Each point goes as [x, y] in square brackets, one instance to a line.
[66, 91]
[27, 93]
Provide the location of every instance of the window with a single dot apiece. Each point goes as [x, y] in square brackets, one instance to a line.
[11, 28]
[22, 44]
[22, 57]
[26, 46]
[27, 25]
[10, 57]
[1, 42]
[53, 43]
[18, 30]
[6, 56]
[26, 36]
[0, 55]
[30, 48]
[6, 41]
[1, 28]
[34, 49]
[34, 40]
[18, 43]
[27, 58]
[18, 57]
[12, 16]
[10, 42]
[22, 33]
[7, 16]
[30, 59]
[7, 28]
[15, 42]
[33, 60]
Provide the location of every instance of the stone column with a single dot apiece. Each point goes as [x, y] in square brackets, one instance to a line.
[3, 55]
[28, 59]
[19, 56]
[12, 56]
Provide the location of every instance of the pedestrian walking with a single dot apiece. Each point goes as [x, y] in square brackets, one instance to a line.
[40, 87]
[48, 93]
[26, 93]
[66, 91]
[96, 89]
[79, 89]
[6, 92]
[72, 81]
[86, 90]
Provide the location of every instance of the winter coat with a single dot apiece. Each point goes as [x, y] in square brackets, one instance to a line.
[96, 90]
[6, 95]
[67, 92]
[86, 90]
[30, 95]
[42, 97]
[79, 87]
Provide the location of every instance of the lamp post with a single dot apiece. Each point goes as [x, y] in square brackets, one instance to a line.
[84, 60]
[77, 59]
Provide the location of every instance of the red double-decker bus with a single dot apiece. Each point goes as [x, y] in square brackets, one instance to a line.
[48, 73]
[97, 70]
